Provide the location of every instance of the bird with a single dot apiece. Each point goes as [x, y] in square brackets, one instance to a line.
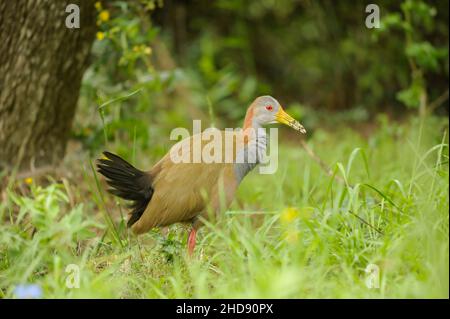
[174, 191]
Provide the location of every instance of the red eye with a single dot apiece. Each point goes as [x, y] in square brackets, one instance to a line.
[269, 107]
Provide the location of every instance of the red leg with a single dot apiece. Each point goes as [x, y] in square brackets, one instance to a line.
[191, 241]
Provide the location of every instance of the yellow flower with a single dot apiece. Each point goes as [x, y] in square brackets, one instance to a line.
[100, 35]
[289, 214]
[150, 6]
[98, 5]
[104, 15]
[28, 180]
[148, 50]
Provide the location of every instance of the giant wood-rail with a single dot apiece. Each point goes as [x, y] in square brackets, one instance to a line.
[172, 192]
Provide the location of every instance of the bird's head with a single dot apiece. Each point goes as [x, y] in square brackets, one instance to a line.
[266, 110]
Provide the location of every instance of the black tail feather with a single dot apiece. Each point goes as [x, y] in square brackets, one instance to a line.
[127, 182]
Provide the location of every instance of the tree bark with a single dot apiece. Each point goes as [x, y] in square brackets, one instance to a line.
[41, 66]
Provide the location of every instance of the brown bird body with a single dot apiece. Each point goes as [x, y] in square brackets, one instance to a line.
[183, 191]
[172, 192]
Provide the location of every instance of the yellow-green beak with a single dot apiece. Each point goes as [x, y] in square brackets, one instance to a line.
[284, 118]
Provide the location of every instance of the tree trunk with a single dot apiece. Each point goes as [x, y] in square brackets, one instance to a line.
[41, 67]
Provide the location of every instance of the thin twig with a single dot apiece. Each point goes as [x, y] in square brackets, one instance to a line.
[367, 223]
[438, 102]
[319, 161]
[37, 172]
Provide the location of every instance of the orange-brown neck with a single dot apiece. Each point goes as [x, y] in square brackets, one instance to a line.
[248, 121]
[250, 125]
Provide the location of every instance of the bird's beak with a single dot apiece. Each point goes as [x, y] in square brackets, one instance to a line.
[284, 118]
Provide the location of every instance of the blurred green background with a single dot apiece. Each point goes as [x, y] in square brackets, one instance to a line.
[316, 57]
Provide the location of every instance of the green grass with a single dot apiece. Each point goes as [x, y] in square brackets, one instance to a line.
[296, 234]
